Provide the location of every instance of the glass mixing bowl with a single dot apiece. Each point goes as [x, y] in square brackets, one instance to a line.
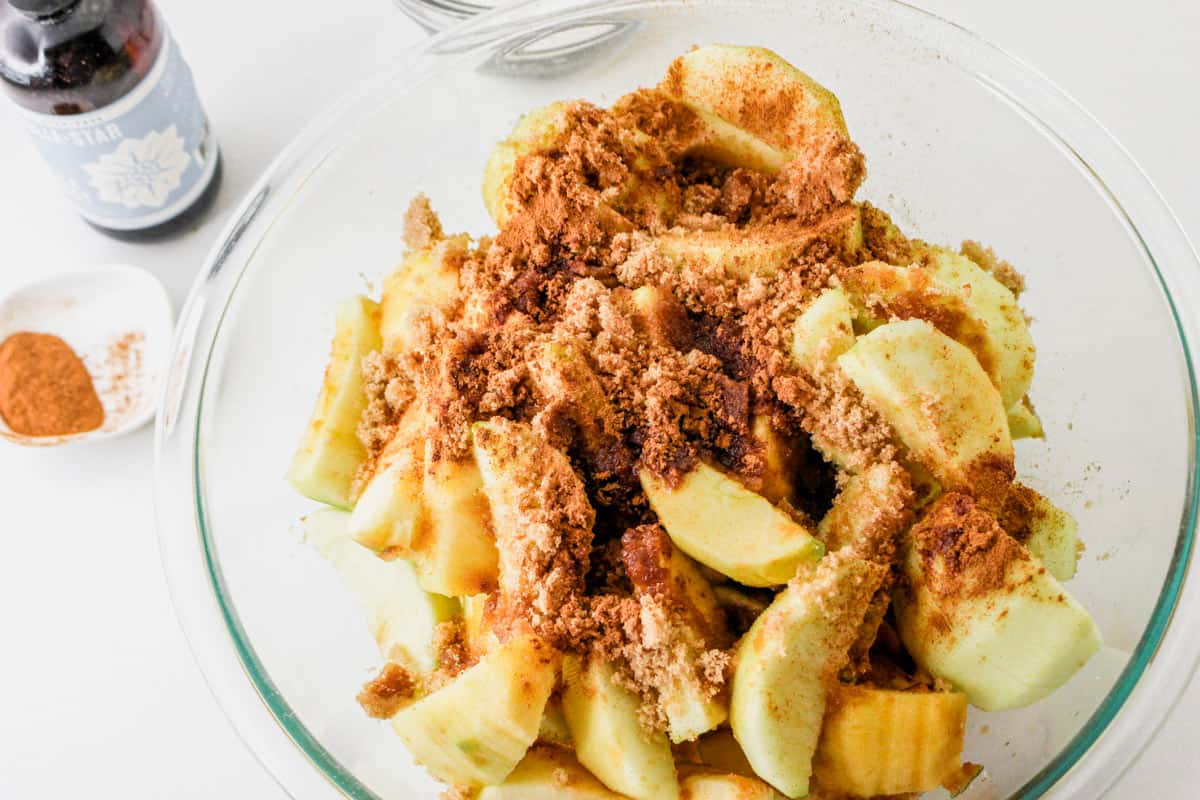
[962, 142]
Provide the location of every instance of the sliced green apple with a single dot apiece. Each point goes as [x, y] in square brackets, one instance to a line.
[330, 454]
[455, 552]
[403, 618]
[540, 129]
[701, 784]
[763, 250]
[977, 610]
[935, 395]
[964, 301]
[426, 281]
[390, 513]
[880, 742]
[823, 331]
[723, 525]
[1049, 533]
[549, 773]
[517, 466]
[474, 731]
[609, 738]
[784, 665]
[870, 512]
[1023, 421]
[805, 117]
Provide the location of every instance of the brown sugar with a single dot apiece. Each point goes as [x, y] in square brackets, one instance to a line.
[388, 692]
[45, 390]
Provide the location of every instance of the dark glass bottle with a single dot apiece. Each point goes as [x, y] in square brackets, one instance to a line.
[111, 105]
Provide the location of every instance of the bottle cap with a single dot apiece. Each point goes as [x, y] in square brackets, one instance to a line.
[41, 8]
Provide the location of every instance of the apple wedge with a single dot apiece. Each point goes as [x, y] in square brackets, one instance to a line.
[759, 95]
[759, 250]
[474, 731]
[882, 742]
[781, 460]
[963, 300]
[823, 331]
[936, 397]
[786, 661]
[402, 616]
[549, 773]
[704, 785]
[1048, 532]
[390, 512]
[327, 461]
[609, 739]
[871, 511]
[455, 551]
[723, 525]
[425, 282]
[540, 129]
[979, 611]
[518, 469]
[1023, 421]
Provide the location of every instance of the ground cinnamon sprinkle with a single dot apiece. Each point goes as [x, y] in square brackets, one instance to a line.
[124, 372]
[964, 551]
[600, 316]
[45, 390]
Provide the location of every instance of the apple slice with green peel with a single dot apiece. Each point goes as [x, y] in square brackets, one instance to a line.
[725, 143]
[759, 250]
[1023, 421]
[455, 552]
[426, 281]
[781, 460]
[327, 461]
[979, 611]
[403, 617]
[823, 331]
[936, 397]
[965, 302]
[390, 512]
[803, 118]
[477, 626]
[518, 468]
[882, 742]
[665, 578]
[1007, 344]
[723, 525]
[871, 510]
[604, 719]
[539, 129]
[1048, 532]
[549, 773]
[473, 731]
[786, 661]
[701, 784]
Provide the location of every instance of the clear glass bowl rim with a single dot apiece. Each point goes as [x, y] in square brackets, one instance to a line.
[1160, 667]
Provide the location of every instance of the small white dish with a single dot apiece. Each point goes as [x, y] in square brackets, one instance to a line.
[118, 320]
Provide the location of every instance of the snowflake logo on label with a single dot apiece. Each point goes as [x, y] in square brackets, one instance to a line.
[141, 172]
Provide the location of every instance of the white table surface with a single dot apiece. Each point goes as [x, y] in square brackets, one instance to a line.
[99, 696]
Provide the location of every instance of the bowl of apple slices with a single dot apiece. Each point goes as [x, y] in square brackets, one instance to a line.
[715, 458]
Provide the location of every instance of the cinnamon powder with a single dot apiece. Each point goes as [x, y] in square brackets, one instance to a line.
[45, 390]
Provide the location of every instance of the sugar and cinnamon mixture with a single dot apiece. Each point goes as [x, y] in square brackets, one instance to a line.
[602, 263]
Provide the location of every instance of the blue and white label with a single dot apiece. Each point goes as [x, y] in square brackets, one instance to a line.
[139, 161]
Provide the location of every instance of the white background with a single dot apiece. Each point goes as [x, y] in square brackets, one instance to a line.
[99, 697]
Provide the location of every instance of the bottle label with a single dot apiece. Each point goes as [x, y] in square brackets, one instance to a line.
[139, 161]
